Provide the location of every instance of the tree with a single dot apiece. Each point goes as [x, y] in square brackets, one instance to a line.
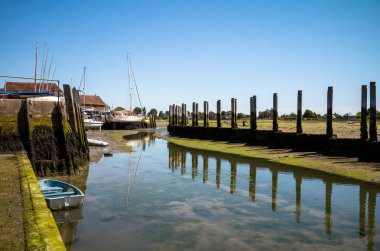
[119, 108]
[153, 112]
[161, 114]
[212, 115]
[137, 110]
[240, 115]
[267, 114]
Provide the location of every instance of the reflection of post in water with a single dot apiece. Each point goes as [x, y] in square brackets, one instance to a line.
[194, 165]
[233, 177]
[371, 219]
[176, 159]
[252, 182]
[328, 207]
[183, 163]
[362, 201]
[274, 189]
[297, 213]
[205, 169]
[218, 164]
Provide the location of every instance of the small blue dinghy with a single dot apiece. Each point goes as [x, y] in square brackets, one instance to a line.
[61, 195]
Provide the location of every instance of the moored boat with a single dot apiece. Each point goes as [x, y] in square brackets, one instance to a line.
[92, 123]
[61, 195]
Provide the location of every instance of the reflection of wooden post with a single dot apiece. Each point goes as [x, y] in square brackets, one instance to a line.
[196, 115]
[205, 169]
[233, 177]
[275, 112]
[372, 112]
[218, 114]
[205, 114]
[362, 201]
[274, 189]
[252, 182]
[329, 126]
[298, 198]
[299, 112]
[371, 219]
[193, 115]
[328, 193]
[218, 164]
[253, 114]
[363, 116]
[194, 165]
[183, 163]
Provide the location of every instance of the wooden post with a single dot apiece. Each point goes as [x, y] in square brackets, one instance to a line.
[233, 177]
[299, 112]
[253, 114]
[205, 114]
[184, 115]
[70, 109]
[218, 114]
[193, 115]
[196, 115]
[176, 114]
[235, 112]
[363, 116]
[372, 112]
[205, 169]
[275, 112]
[170, 115]
[329, 127]
[232, 113]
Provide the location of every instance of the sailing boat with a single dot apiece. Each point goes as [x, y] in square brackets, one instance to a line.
[127, 115]
[91, 122]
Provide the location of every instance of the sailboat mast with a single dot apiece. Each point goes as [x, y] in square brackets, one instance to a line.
[129, 82]
[84, 85]
[35, 69]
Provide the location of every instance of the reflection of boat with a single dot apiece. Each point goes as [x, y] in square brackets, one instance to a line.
[92, 123]
[67, 221]
[94, 142]
[61, 195]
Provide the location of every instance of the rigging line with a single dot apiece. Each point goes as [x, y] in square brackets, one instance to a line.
[137, 90]
[52, 77]
[46, 59]
[131, 178]
[51, 61]
[42, 64]
[80, 84]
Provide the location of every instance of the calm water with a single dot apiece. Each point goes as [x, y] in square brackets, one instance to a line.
[164, 197]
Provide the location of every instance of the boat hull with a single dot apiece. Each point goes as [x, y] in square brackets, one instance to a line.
[92, 124]
[65, 202]
[129, 119]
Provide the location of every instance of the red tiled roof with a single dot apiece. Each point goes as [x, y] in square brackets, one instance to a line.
[91, 100]
[30, 87]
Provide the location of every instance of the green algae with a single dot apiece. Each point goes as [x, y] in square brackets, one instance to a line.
[360, 171]
[9, 124]
[41, 232]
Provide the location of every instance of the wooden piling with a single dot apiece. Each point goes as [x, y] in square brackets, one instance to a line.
[299, 112]
[329, 127]
[218, 114]
[205, 114]
[363, 116]
[170, 115]
[372, 112]
[196, 114]
[235, 105]
[275, 112]
[184, 117]
[253, 114]
[232, 113]
[193, 115]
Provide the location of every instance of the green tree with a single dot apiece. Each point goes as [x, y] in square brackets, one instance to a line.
[309, 114]
[240, 115]
[137, 110]
[153, 112]
[161, 114]
[119, 108]
[266, 114]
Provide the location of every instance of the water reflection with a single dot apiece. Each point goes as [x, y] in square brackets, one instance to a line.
[67, 222]
[367, 193]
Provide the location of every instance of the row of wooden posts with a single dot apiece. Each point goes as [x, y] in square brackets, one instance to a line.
[178, 114]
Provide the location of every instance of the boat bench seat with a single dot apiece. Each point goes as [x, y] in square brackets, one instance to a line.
[46, 190]
[61, 194]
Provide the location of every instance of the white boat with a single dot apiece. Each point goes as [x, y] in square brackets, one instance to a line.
[94, 142]
[92, 123]
[127, 115]
[61, 195]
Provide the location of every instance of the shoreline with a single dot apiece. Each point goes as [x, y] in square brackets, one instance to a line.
[342, 166]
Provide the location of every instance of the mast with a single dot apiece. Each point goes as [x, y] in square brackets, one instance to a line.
[84, 85]
[129, 82]
[35, 69]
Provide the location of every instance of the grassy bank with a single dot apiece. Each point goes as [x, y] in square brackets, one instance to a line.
[347, 167]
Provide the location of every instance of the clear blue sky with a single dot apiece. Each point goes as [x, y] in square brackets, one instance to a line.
[185, 51]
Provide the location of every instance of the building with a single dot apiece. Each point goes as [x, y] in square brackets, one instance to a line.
[93, 102]
[31, 87]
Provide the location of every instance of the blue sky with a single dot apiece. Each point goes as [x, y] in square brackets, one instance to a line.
[185, 51]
